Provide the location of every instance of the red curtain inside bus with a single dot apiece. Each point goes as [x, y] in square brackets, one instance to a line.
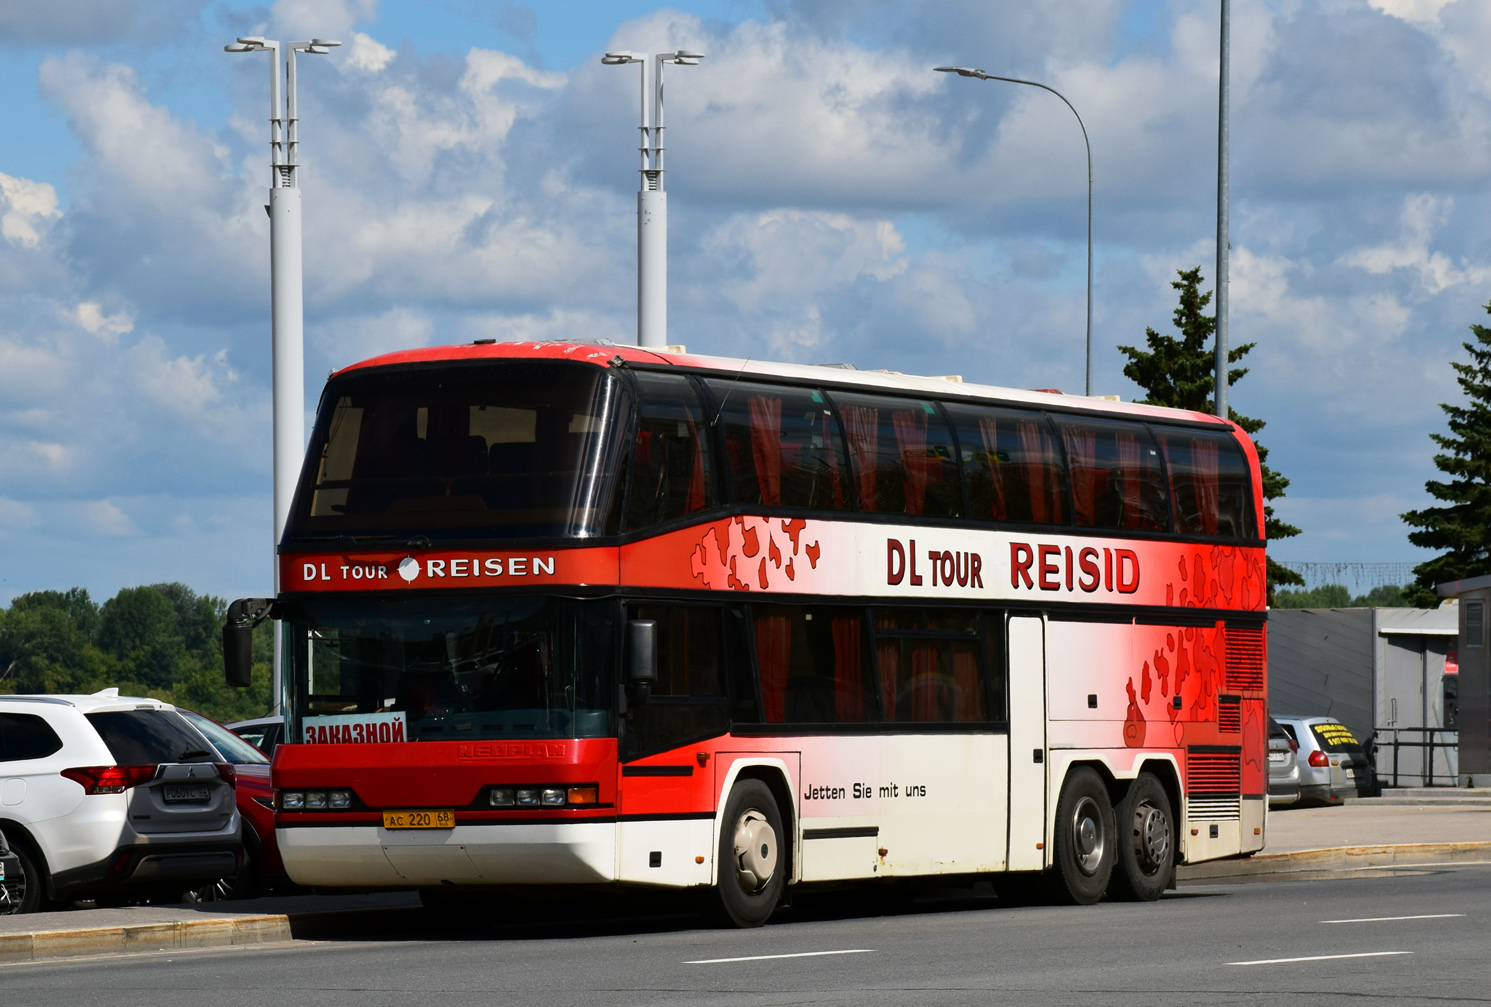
[811, 665]
[862, 431]
[766, 447]
[902, 455]
[1115, 476]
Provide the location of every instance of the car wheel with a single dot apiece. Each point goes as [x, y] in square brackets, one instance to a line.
[1145, 841]
[28, 892]
[1084, 845]
[752, 869]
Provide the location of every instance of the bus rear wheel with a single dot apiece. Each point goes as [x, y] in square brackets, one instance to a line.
[1084, 839]
[752, 870]
[1146, 842]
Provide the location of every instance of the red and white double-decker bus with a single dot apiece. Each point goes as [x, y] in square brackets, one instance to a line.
[581, 614]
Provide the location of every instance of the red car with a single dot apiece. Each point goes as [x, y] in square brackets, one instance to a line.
[265, 871]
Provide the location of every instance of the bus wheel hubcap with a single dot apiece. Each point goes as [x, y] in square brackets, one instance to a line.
[755, 850]
[1087, 835]
[1151, 837]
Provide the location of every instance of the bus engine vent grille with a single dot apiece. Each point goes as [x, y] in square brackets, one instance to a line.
[1209, 773]
[1214, 809]
[1244, 658]
[1229, 715]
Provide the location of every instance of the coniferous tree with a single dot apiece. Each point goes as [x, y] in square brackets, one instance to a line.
[1179, 373]
[1461, 529]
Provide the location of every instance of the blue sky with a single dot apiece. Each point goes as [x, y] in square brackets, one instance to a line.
[471, 170]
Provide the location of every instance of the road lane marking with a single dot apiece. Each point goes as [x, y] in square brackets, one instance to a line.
[1390, 919]
[1321, 958]
[800, 954]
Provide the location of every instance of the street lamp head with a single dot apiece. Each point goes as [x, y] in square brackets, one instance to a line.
[682, 58]
[325, 42]
[962, 71]
[625, 56]
[239, 47]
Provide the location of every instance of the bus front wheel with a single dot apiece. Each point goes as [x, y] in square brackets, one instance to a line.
[1146, 842]
[752, 869]
[1084, 839]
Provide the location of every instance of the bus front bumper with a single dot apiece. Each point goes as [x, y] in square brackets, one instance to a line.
[496, 854]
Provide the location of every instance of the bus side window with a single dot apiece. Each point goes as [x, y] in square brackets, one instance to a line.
[996, 661]
[931, 666]
[688, 701]
[1011, 465]
[670, 464]
[782, 446]
[1115, 474]
[901, 454]
[813, 665]
[1210, 483]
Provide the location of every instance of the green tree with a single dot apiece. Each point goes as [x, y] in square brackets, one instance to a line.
[1461, 529]
[1180, 373]
[1337, 596]
[139, 630]
[46, 641]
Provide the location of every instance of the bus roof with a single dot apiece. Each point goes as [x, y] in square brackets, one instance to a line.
[605, 354]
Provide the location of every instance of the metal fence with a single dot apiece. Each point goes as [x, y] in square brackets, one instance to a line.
[1426, 742]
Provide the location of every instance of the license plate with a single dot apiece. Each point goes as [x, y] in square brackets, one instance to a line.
[186, 791]
[419, 819]
[1350, 774]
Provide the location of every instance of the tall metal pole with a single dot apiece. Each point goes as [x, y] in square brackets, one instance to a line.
[287, 316]
[287, 342]
[1223, 237]
[981, 75]
[652, 197]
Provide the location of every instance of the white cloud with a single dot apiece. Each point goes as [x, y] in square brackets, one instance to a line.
[368, 54]
[306, 19]
[105, 518]
[90, 315]
[16, 515]
[1413, 11]
[187, 386]
[28, 208]
[347, 340]
[1423, 214]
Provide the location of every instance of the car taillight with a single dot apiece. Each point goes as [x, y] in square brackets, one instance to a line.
[1319, 758]
[228, 773]
[1294, 746]
[109, 779]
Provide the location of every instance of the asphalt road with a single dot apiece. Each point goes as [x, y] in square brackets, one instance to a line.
[1202, 945]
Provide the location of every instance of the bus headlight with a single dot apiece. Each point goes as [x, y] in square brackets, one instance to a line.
[528, 797]
[339, 800]
[553, 797]
[501, 797]
[315, 800]
[292, 800]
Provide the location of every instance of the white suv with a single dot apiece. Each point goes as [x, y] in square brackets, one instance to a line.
[110, 797]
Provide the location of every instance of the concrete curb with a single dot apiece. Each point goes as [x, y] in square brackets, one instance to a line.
[222, 932]
[1308, 864]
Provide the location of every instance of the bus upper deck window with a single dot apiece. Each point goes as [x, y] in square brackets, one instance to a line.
[1209, 482]
[783, 446]
[670, 464]
[1114, 468]
[1011, 465]
[901, 454]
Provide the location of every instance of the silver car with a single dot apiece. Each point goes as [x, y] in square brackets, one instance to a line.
[1283, 766]
[1332, 764]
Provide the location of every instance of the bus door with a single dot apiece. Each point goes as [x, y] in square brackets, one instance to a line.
[1027, 713]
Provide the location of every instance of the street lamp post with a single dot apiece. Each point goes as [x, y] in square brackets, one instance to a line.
[967, 72]
[652, 198]
[1224, 97]
[287, 347]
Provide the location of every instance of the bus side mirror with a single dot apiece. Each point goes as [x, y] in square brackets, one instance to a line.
[641, 660]
[238, 638]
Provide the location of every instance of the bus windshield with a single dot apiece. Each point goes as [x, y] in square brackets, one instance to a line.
[509, 448]
[459, 670]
